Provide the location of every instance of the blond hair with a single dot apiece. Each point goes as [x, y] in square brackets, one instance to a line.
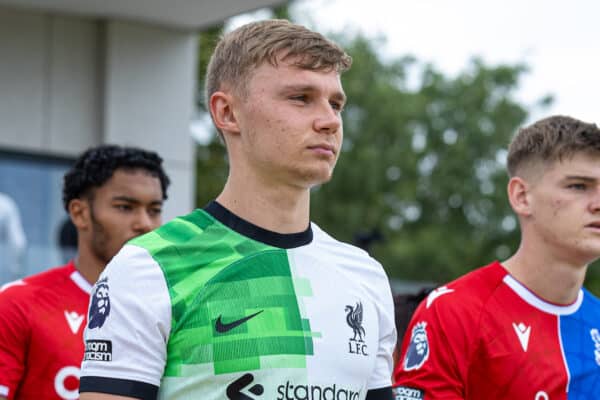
[551, 139]
[241, 51]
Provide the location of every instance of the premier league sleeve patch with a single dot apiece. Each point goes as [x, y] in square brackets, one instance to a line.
[418, 349]
[100, 304]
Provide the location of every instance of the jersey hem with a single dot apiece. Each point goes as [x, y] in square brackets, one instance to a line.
[380, 394]
[120, 387]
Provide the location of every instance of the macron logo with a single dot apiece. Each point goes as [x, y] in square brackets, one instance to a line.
[437, 293]
[522, 332]
[74, 320]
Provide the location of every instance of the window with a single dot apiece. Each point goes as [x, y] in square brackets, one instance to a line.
[30, 193]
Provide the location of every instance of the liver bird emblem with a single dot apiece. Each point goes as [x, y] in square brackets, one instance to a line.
[354, 318]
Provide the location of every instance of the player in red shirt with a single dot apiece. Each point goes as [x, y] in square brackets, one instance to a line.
[112, 194]
[524, 328]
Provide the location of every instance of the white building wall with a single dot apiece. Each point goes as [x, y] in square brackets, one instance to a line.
[149, 82]
[23, 65]
[68, 83]
[73, 90]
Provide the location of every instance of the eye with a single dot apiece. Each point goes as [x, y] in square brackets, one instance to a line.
[577, 186]
[299, 97]
[123, 207]
[154, 212]
[337, 105]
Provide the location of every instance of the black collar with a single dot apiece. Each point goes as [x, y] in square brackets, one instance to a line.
[248, 229]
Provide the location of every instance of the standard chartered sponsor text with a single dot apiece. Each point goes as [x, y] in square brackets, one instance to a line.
[314, 392]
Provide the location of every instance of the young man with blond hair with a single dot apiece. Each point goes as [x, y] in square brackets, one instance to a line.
[246, 298]
[523, 328]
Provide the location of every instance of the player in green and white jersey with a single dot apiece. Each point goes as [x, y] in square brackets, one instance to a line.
[246, 298]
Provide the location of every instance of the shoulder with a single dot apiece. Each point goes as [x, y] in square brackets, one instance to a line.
[465, 297]
[355, 267]
[590, 305]
[131, 262]
[176, 232]
[589, 297]
[34, 283]
[344, 251]
[186, 236]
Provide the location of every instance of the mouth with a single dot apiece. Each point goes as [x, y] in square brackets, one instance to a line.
[594, 225]
[324, 149]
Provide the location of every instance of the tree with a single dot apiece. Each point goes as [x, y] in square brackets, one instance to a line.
[211, 159]
[421, 177]
[422, 170]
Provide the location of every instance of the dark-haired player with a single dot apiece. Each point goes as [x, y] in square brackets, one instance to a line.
[523, 328]
[112, 194]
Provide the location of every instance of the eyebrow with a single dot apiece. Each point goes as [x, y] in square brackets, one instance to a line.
[580, 178]
[340, 96]
[134, 200]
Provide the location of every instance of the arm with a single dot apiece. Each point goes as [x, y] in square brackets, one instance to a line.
[128, 327]
[379, 385]
[14, 338]
[435, 352]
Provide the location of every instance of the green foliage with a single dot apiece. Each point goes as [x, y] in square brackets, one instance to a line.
[207, 40]
[423, 167]
[422, 162]
[211, 171]
[211, 159]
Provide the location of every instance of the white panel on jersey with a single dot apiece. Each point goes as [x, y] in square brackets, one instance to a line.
[344, 280]
[138, 322]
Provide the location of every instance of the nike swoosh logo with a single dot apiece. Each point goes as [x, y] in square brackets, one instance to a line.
[222, 328]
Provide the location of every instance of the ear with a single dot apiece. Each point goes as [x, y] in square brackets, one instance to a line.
[79, 211]
[221, 106]
[518, 196]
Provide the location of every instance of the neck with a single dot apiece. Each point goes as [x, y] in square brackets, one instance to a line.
[88, 265]
[550, 278]
[282, 209]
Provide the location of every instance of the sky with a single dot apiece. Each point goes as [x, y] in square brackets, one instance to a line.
[558, 40]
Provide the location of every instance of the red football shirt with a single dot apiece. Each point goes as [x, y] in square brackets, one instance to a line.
[486, 336]
[42, 318]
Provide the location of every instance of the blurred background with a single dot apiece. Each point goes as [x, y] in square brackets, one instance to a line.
[436, 91]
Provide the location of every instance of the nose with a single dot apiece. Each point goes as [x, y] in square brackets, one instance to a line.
[142, 223]
[595, 202]
[328, 120]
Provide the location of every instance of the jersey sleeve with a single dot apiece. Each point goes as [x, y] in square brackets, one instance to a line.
[381, 376]
[435, 350]
[14, 337]
[128, 327]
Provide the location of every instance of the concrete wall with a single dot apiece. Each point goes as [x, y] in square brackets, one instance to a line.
[149, 97]
[67, 83]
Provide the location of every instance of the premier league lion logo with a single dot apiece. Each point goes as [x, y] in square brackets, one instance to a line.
[100, 307]
[418, 349]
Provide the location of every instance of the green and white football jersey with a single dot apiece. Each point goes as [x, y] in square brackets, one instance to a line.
[212, 307]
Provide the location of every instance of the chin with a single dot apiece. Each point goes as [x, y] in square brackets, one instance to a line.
[321, 180]
[316, 177]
